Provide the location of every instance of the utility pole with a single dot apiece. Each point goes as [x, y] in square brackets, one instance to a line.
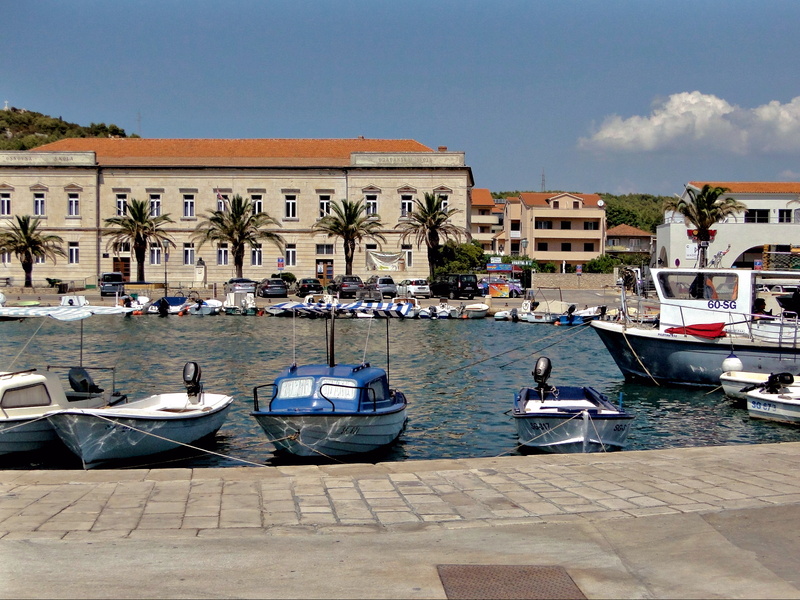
[543, 187]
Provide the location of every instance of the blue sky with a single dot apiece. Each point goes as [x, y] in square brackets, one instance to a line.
[614, 96]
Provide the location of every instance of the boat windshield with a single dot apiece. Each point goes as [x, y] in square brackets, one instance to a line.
[296, 388]
[699, 286]
[338, 389]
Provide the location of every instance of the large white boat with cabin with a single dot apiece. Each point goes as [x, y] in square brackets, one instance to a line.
[707, 326]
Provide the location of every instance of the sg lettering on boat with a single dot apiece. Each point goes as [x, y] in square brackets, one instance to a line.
[765, 406]
[349, 430]
[620, 427]
[722, 304]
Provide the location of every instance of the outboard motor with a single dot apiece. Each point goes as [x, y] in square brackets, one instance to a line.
[514, 315]
[541, 373]
[191, 379]
[776, 381]
[570, 310]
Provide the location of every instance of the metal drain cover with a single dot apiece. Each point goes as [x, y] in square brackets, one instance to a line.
[507, 582]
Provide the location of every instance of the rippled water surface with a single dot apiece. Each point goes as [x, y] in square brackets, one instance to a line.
[459, 377]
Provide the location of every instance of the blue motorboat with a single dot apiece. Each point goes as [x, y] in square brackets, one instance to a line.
[326, 410]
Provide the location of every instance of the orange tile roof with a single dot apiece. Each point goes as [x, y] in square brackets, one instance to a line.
[628, 231]
[753, 187]
[224, 152]
[482, 197]
[541, 198]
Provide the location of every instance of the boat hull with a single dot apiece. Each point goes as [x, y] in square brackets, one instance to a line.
[111, 434]
[25, 435]
[328, 434]
[784, 408]
[683, 359]
[569, 434]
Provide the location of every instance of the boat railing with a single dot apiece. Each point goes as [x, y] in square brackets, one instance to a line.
[255, 395]
[112, 369]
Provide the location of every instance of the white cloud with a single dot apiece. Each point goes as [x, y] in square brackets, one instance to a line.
[692, 120]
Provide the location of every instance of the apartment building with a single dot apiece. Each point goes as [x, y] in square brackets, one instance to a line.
[73, 185]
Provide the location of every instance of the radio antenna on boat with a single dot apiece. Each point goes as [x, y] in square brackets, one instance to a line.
[331, 357]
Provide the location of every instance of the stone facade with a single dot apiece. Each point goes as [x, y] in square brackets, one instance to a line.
[93, 178]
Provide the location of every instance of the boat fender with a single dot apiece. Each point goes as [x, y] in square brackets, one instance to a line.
[191, 378]
[514, 315]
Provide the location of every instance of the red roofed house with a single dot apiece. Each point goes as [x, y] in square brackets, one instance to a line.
[623, 240]
[74, 184]
[554, 227]
[766, 234]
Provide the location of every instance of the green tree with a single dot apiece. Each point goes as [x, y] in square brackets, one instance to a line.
[429, 224]
[137, 229]
[461, 258]
[24, 240]
[239, 226]
[351, 222]
[602, 264]
[704, 209]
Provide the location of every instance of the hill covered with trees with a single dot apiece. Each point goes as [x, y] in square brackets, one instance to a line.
[22, 129]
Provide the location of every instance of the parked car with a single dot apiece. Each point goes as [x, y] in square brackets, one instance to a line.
[272, 288]
[240, 284]
[309, 285]
[455, 285]
[111, 284]
[346, 286]
[417, 288]
[383, 284]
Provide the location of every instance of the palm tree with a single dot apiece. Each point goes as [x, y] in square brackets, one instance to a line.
[240, 226]
[138, 229]
[350, 222]
[27, 243]
[429, 223]
[704, 209]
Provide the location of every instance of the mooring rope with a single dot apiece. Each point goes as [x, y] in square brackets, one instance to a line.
[636, 356]
[13, 362]
[533, 439]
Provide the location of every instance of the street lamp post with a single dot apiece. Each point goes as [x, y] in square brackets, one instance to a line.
[524, 244]
[165, 244]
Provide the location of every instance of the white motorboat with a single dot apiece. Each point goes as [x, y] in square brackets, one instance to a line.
[201, 307]
[443, 310]
[514, 314]
[26, 397]
[240, 303]
[777, 400]
[413, 304]
[479, 310]
[143, 427]
[325, 410]
[705, 315]
[567, 419]
[736, 384]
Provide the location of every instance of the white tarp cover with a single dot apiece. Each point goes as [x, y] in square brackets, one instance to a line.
[384, 261]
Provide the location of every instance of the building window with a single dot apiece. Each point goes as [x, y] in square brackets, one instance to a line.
[74, 253]
[566, 224]
[257, 200]
[291, 255]
[5, 258]
[155, 205]
[576, 204]
[255, 255]
[188, 205]
[371, 204]
[222, 202]
[188, 253]
[554, 204]
[38, 204]
[40, 260]
[591, 225]
[406, 205]
[613, 242]
[324, 248]
[541, 246]
[290, 206]
[759, 215]
[784, 215]
[408, 255]
[222, 255]
[543, 225]
[588, 246]
[5, 204]
[566, 246]
[155, 254]
[122, 205]
[73, 204]
[324, 206]
[445, 201]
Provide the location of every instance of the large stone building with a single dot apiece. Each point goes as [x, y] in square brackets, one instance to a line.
[766, 235]
[73, 185]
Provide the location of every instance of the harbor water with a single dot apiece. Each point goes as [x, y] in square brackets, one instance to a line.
[459, 376]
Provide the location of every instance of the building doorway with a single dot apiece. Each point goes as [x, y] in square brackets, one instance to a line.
[324, 270]
[122, 265]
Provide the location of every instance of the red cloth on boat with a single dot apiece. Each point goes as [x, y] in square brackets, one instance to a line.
[705, 330]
